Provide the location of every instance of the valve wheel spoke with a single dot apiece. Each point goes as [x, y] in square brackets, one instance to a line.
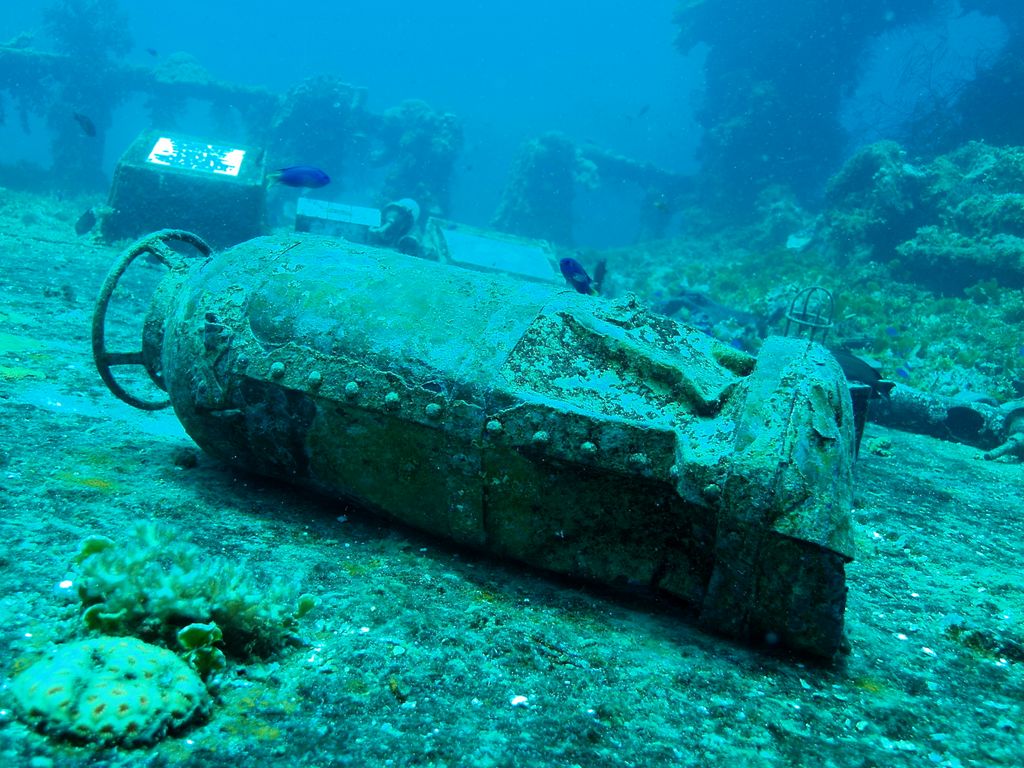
[158, 246]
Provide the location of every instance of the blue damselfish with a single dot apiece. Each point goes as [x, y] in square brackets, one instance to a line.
[576, 276]
[300, 176]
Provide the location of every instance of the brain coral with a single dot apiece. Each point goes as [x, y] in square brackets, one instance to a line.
[110, 690]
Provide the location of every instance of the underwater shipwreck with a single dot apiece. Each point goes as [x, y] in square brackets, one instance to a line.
[303, 470]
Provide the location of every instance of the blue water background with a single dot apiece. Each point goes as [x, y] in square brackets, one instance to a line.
[509, 70]
[605, 72]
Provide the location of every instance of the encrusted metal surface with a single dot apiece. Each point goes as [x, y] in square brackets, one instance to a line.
[590, 438]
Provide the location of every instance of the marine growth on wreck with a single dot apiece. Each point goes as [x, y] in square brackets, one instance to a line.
[534, 384]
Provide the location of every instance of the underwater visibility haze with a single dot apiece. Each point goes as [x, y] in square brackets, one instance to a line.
[506, 384]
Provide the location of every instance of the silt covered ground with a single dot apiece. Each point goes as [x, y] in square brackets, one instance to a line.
[421, 654]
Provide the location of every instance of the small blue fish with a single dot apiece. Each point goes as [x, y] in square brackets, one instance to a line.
[300, 176]
[576, 276]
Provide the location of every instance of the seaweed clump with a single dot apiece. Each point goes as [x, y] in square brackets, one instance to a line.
[159, 583]
[949, 224]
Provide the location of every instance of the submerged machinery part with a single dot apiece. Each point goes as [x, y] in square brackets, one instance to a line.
[810, 313]
[979, 423]
[587, 437]
[1013, 432]
[397, 220]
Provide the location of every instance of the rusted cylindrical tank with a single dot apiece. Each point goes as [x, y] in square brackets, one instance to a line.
[587, 437]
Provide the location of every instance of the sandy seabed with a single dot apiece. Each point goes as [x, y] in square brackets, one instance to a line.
[420, 654]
